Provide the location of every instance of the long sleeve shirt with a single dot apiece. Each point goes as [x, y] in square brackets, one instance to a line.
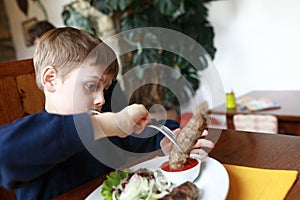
[44, 155]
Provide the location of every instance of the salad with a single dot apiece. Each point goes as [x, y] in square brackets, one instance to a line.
[141, 184]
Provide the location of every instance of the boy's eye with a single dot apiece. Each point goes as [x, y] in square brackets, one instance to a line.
[91, 86]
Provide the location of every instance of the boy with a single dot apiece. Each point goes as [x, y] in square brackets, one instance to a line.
[44, 154]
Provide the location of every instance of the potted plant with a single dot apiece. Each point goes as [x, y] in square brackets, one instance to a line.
[186, 16]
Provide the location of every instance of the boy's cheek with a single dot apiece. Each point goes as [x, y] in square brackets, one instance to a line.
[83, 103]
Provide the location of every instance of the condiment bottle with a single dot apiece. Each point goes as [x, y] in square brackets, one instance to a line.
[230, 100]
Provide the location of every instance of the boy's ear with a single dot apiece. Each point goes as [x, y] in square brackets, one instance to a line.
[49, 75]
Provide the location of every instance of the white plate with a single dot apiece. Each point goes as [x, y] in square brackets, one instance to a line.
[213, 180]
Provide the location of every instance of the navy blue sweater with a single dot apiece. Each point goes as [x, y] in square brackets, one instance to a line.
[42, 155]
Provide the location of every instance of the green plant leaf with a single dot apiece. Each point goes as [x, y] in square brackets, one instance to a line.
[186, 16]
[119, 4]
[102, 6]
[167, 7]
[134, 21]
[75, 19]
[113, 179]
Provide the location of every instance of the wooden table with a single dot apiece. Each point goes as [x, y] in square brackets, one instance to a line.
[288, 114]
[270, 151]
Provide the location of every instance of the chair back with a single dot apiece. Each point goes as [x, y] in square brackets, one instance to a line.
[20, 95]
[255, 123]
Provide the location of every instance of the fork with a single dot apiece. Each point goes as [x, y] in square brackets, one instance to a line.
[167, 132]
[156, 125]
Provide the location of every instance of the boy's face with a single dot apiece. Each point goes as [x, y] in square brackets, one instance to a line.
[81, 89]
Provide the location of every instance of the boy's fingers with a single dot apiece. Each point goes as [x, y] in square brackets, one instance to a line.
[176, 131]
[204, 133]
[204, 143]
[199, 151]
[139, 127]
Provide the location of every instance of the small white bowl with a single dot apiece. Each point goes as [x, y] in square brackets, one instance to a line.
[179, 177]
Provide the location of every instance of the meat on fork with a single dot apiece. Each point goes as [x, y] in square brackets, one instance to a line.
[187, 139]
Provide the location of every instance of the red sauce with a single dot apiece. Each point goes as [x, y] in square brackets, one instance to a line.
[190, 163]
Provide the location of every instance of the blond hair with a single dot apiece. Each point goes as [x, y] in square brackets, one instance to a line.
[67, 48]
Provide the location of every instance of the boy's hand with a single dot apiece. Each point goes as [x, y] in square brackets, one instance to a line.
[131, 119]
[165, 144]
[137, 116]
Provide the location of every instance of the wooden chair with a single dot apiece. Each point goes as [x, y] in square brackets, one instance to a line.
[20, 96]
[255, 123]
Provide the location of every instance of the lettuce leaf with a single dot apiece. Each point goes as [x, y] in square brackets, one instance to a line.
[113, 179]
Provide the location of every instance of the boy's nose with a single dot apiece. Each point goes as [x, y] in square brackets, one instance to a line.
[99, 100]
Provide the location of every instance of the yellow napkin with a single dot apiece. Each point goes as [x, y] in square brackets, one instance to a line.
[248, 183]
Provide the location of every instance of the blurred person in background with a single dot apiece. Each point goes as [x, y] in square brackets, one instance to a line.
[38, 29]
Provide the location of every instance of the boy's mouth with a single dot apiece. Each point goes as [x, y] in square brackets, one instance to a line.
[94, 111]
